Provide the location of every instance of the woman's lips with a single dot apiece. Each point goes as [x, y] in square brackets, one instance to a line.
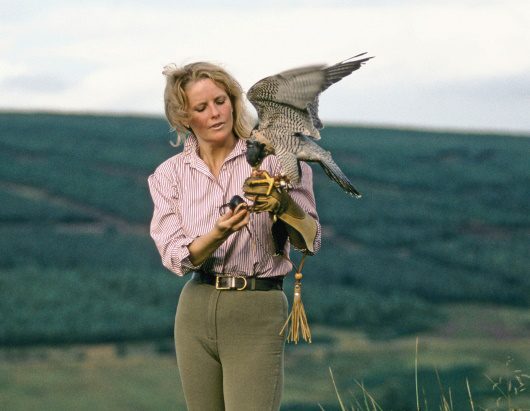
[217, 125]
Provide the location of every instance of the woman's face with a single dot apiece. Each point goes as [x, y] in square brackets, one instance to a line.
[210, 111]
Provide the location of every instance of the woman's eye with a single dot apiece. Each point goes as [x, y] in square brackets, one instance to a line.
[200, 109]
[221, 101]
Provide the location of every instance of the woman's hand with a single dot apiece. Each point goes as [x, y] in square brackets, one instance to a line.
[232, 221]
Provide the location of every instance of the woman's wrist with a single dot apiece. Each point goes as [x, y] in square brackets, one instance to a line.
[219, 234]
[202, 247]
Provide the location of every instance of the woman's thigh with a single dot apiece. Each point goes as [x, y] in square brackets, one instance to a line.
[251, 348]
[200, 369]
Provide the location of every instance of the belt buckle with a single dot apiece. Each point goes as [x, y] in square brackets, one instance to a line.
[231, 283]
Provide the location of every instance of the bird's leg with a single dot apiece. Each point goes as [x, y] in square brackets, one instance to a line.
[261, 178]
[256, 172]
[262, 189]
[282, 182]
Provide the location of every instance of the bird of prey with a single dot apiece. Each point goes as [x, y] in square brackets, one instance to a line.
[288, 123]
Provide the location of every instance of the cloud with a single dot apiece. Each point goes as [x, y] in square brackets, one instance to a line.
[40, 83]
[112, 54]
[515, 88]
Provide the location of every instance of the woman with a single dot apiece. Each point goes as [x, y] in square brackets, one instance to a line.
[229, 314]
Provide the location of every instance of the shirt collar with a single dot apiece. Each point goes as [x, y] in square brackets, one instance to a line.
[191, 150]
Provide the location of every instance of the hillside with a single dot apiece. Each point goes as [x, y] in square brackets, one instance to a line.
[445, 218]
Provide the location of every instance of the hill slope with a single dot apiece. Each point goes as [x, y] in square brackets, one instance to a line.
[444, 218]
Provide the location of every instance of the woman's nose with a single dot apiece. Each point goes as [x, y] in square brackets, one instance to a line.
[214, 111]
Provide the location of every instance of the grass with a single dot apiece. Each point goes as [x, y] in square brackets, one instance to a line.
[367, 373]
[368, 402]
[88, 378]
[510, 388]
[474, 343]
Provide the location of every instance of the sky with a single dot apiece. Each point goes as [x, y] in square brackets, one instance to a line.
[462, 65]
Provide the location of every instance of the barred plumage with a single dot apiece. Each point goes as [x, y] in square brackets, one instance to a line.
[287, 107]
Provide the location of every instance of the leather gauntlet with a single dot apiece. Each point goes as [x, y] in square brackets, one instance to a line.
[269, 195]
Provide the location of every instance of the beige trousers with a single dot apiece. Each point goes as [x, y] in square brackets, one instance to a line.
[229, 351]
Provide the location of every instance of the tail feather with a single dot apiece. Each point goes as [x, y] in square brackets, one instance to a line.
[335, 173]
[312, 152]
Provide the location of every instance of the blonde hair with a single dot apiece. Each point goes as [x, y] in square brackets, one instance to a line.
[176, 100]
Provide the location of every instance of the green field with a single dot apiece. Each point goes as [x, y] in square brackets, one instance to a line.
[444, 222]
[144, 376]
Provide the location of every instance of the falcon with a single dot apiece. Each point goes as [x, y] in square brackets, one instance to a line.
[288, 123]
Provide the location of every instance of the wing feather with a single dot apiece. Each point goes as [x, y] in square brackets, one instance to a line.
[297, 92]
[332, 75]
[296, 87]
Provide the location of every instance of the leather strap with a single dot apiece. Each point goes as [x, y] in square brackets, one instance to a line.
[239, 283]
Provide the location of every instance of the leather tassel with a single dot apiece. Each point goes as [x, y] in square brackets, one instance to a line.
[297, 317]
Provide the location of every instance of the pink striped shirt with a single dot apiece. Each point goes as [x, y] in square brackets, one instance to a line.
[186, 199]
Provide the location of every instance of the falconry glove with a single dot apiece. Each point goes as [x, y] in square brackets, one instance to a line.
[269, 196]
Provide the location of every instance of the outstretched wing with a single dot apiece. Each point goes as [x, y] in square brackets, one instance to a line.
[333, 74]
[299, 89]
[294, 88]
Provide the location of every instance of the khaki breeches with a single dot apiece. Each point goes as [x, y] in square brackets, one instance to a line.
[229, 351]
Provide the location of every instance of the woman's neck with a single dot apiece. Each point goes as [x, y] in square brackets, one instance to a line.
[214, 155]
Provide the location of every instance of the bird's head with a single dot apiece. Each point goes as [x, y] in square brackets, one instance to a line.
[256, 149]
[256, 152]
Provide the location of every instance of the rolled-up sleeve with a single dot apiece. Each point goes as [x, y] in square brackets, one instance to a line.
[166, 225]
[304, 196]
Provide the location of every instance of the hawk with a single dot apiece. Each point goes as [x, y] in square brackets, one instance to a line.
[288, 123]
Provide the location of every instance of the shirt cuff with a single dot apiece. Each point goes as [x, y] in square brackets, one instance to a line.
[180, 261]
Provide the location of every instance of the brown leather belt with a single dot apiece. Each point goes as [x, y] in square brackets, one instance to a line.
[239, 283]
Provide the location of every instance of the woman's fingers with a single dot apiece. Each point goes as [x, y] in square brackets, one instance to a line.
[242, 206]
[243, 217]
[235, 220]
[240, 216]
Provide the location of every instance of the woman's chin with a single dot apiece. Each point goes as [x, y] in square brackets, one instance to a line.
[218, 137]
